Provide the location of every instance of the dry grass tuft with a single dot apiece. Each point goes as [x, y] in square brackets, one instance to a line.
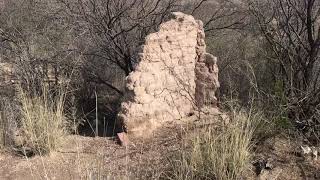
[8, 121]
[217, 154]
[43, 121]
[2, 132]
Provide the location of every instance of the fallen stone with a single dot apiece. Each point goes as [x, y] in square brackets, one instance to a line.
[123, 139]
[310, 152]
[306, 149]
[269, 164]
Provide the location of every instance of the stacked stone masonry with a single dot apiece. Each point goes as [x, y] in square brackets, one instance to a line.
[174, 78]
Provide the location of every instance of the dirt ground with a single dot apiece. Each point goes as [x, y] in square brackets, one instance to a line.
[92, 157]
[100, 157]
[286, 159]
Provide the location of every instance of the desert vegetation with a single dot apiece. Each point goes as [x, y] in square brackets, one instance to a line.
[63, 71]
[218, 153]
[43, 122]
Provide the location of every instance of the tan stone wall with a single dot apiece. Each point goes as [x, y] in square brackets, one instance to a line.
[163, 86]
[206, 71]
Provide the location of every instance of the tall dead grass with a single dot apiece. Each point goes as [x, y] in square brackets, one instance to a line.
[8, 121]
[43, 122]
[2, 132]
[222, 153]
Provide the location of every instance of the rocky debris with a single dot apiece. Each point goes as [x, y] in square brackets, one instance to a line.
[306, 149]
[123, 139]
[315, 154]
[175, 77]
[310, 152]
[262, 164]
[265, 169]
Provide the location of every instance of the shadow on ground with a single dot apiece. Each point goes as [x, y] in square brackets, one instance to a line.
[107, 115]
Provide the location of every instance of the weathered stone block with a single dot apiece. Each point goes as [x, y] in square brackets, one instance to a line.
[174, 74]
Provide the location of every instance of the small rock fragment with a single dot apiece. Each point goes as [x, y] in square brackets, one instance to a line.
[306, 149]
[314, 153]
[123, 139]
[269, 164]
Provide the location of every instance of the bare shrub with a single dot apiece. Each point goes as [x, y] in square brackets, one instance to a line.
[217, 16]
[291, 29]
[35, 39]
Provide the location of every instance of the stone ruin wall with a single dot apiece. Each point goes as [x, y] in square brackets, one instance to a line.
[174, 78]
